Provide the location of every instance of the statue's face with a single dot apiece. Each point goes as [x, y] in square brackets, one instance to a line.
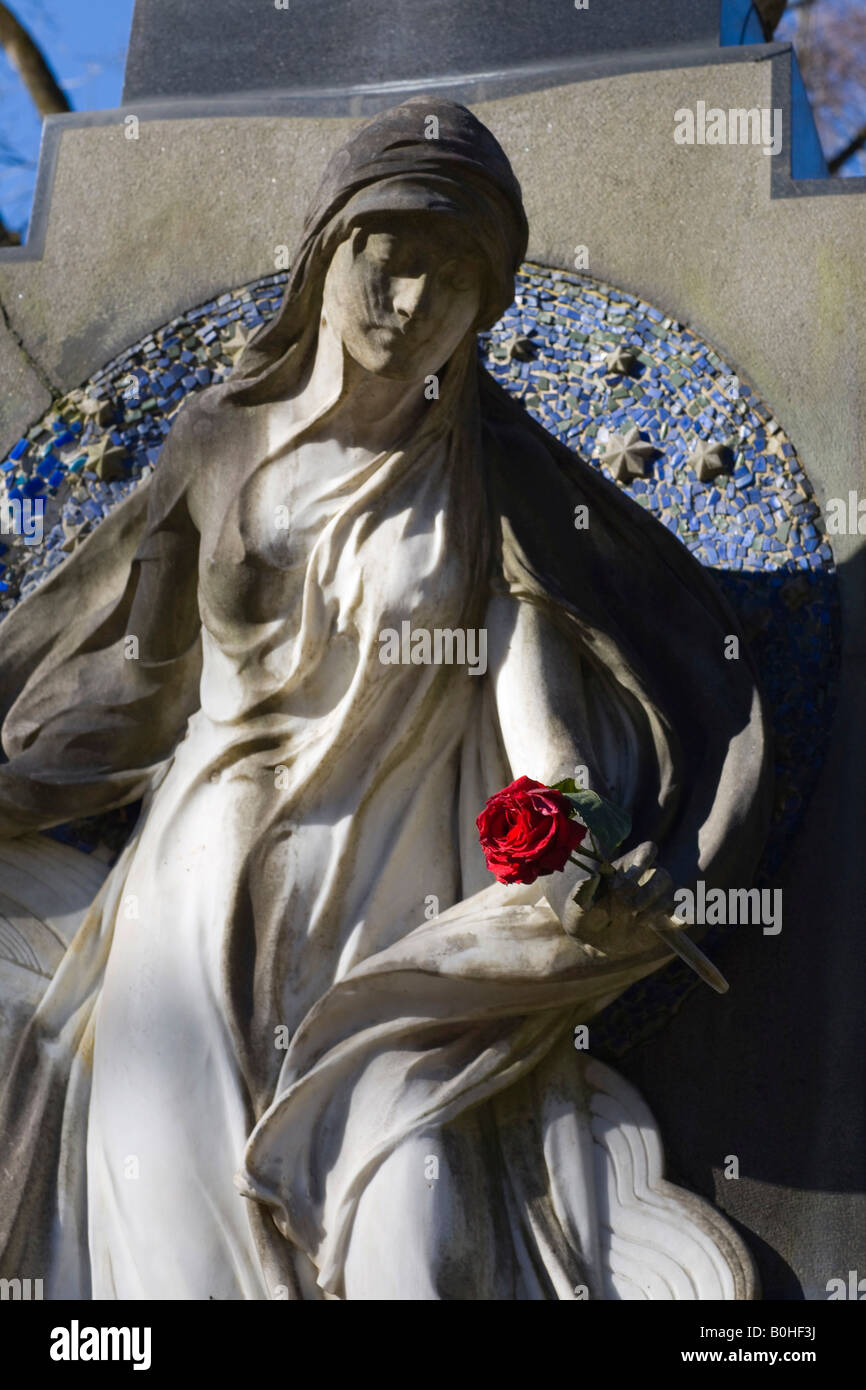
[403, 293]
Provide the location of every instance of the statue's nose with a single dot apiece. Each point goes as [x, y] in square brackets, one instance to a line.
[408, 296]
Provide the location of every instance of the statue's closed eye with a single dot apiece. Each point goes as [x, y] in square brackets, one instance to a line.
[377, 246]
[460, 275]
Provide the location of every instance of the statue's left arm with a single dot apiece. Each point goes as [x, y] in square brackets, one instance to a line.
[554, 724]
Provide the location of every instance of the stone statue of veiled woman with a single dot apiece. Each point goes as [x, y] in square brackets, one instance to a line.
[302, 1044]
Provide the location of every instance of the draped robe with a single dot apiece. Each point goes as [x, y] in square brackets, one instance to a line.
[298, 986]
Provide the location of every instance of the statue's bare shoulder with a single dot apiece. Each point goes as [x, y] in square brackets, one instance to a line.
[187, 476]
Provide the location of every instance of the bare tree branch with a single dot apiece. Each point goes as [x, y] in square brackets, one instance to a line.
[769, 13]
[831, 50]
[32, 65]
[856, 143]
[7, 236]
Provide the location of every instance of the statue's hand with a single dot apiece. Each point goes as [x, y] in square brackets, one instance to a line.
[610, 913]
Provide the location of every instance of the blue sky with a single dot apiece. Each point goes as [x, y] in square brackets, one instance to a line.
[85, 42]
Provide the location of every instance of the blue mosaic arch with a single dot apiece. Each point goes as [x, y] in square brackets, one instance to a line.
[646, 400]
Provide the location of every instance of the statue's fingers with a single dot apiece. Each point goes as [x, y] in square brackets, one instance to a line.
[656, 893]
[645, 854]
[585, 892]
[594, 923]
[584, 924]
[630, 870]
[639, 858]
[626, 884]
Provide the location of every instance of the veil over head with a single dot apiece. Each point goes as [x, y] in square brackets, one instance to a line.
[425, 156]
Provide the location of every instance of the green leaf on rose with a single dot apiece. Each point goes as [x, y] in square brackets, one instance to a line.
[607, 822]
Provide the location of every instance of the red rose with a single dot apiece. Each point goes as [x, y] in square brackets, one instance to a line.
[526, 830]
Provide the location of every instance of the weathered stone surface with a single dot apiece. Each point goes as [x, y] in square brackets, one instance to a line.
[206, 47]
[25, 394]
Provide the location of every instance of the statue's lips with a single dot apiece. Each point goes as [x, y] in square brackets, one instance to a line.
[409, 333]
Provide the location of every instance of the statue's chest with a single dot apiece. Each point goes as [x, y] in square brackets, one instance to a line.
[300, 533]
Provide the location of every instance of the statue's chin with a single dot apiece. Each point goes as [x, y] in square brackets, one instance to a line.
[391, 365]
[396, 371]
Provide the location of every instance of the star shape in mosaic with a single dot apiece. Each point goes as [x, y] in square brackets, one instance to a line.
[234, 345]
[619, 362]
[105, 457]
[102, 411]
[626, 455]
[73, 535]
[775, 445]
[519, 347]
[709, 458]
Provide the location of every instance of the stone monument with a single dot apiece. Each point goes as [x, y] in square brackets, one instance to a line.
[666, 372]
